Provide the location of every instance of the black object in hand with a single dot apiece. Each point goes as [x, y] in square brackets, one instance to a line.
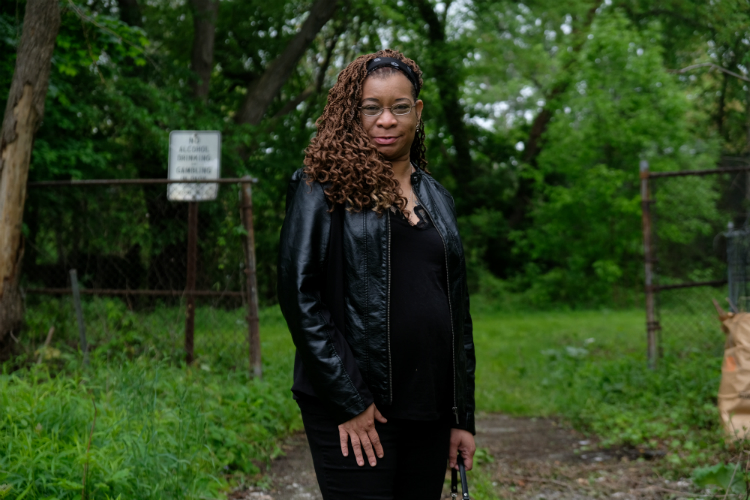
[464, 482]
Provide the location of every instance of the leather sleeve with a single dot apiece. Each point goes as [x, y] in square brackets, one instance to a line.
[302, 255]
[466, 421]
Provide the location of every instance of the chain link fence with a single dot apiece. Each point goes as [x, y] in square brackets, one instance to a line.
[142, 287]
[697, 238]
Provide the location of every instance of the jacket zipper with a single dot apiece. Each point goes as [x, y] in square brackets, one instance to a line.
[388, 311]
[450, 307]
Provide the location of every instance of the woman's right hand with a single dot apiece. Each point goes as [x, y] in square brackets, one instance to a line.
[361, 430]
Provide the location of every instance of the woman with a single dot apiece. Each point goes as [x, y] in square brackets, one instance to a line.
[372, 284]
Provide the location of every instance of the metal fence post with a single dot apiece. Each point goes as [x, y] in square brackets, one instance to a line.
[246, 195]
[192, 259]
[652, 325]
[79, 315]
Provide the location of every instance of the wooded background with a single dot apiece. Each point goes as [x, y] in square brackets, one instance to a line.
[537, 115]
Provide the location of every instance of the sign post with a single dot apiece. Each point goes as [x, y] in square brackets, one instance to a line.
[193, 155]
[192, 259]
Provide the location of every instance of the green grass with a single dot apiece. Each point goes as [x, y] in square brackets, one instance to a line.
[590, 367]
[164, 431]
[161, 431]
[515, 371]
[114, 331]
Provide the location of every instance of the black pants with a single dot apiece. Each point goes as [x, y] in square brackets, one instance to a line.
[413, 466]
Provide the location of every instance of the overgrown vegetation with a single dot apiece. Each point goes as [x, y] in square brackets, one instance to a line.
[589, 367]
[159, 430]
[164, 430]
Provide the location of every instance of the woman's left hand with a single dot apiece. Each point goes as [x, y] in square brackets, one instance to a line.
[462, 441]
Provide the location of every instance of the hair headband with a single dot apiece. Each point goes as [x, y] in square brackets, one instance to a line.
[381, 62]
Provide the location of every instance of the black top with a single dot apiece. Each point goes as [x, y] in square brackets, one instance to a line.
[420, 323]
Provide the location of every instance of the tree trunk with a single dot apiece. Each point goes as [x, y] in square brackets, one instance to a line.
[447, 79]
[130, 12]
[261, 92]
[205, 13]
[23, 114]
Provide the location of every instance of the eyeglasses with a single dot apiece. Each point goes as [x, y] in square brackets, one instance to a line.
[397, 109]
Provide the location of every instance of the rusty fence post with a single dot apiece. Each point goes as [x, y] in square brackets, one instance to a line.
[192, 260]
[246, 210]
[79, 316]
[652, 325]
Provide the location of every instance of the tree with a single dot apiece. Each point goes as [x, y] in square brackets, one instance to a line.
[445, 67]
[507, 86]
[23, 115]
[261, 92]
[204, 23]
[533, 143]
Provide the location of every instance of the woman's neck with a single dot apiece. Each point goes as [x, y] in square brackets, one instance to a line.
[402, 172]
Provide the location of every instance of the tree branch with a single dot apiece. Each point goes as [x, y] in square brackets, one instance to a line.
[445, 12]
[712, 66]
[533, 144]
[260, 94]
[307, 93]
[291, 105]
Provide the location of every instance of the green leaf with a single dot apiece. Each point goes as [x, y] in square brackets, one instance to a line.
[69, 485]
[721, 475]
[25, 492]
[119, 476]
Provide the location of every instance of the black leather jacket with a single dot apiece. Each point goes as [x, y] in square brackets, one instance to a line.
[348, 365]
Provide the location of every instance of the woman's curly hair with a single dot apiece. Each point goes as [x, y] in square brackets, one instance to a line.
[342, 154]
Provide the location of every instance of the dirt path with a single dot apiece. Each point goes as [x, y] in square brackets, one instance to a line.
[531, 459]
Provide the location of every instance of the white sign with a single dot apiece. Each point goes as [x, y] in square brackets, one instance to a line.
[194, 155]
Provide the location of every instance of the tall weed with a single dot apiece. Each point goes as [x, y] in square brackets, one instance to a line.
[161, 430]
